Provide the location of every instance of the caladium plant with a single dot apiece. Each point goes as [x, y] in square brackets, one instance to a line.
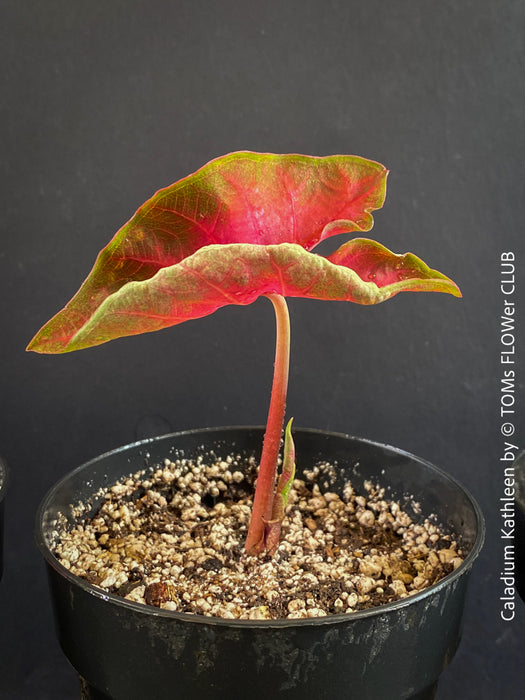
[243, 226]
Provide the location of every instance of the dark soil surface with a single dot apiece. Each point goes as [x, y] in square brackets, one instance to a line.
[173, 538]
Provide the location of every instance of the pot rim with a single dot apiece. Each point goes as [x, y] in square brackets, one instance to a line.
[141, 608]
[4, 478]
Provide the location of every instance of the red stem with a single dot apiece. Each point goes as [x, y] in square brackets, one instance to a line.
[264, 492]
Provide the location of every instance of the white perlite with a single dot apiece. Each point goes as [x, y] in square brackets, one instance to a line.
[173, 538]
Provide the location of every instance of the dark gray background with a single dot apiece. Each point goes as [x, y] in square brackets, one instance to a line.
[105, 102]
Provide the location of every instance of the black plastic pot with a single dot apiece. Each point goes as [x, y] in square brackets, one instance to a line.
[3, 489]
[128, 651]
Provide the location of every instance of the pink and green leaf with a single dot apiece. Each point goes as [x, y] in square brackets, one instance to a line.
[241, 198]
[240, 227]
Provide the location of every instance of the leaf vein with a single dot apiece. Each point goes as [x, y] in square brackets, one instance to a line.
[178, 213]
[205, 280]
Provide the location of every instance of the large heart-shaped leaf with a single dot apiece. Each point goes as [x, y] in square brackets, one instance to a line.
[240, 227]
